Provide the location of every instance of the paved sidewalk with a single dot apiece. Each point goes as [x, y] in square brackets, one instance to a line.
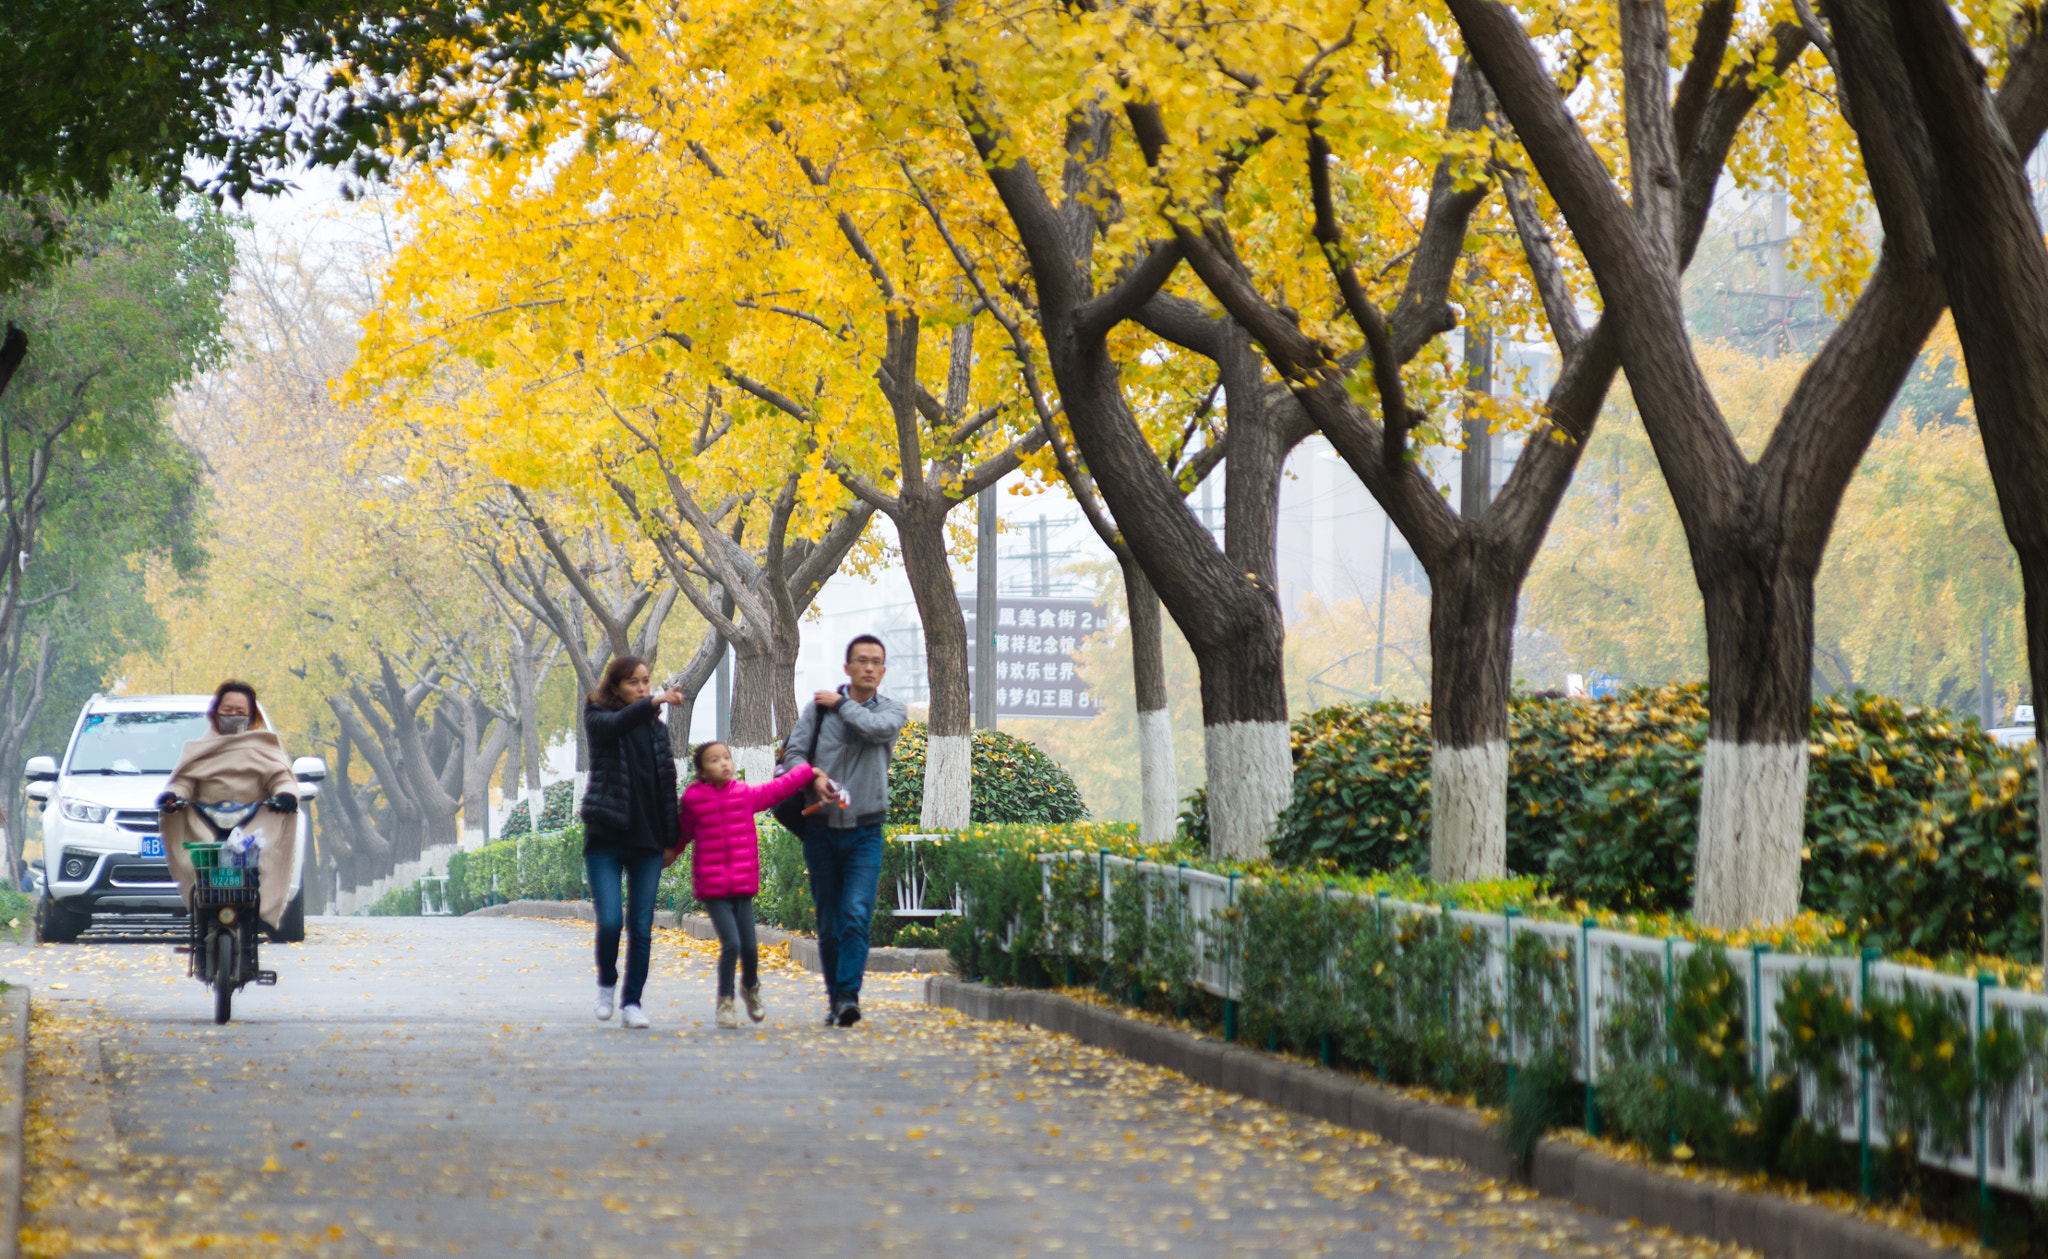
[439, 1086]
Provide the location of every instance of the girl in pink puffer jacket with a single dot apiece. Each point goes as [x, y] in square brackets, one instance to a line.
[717, 814]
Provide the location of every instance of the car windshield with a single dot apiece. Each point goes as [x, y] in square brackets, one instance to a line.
[134, 743]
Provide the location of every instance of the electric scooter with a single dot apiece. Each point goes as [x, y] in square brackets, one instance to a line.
[225, 921]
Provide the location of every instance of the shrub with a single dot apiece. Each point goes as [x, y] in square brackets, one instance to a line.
[1191, 827]
[399, 902]
[1012, 781]
[557, 805]
[1361, 784]
[1603, 801]
[1976, 833]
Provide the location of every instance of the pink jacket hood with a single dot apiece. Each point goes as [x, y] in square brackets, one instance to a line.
[720, 822]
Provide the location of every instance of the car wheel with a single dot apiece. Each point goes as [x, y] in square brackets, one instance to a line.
[57, 925]
[291, 928]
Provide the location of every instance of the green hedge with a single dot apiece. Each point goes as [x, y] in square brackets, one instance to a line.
[1012, 782]
[1603, 802]
[549, 867]
[1407, 999]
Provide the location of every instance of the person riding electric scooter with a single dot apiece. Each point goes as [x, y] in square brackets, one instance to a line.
[229, 838]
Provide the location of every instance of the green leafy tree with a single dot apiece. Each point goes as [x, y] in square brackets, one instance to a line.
[92, 478]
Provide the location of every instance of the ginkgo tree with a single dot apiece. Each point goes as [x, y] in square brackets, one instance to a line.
[811, 286]
[831, 300]
[1340, 233]
[1756, 527]
[1947, 168]
[515, 329]
[869, 70]
[337, 586]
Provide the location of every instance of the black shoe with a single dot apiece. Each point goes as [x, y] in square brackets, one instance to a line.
[832, 1013]
[849, 1014]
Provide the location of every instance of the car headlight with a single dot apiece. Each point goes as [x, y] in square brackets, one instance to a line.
[82, 811]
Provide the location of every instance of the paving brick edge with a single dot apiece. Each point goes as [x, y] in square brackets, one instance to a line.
[1767, 1223]
[13, 1113]
[802, 949]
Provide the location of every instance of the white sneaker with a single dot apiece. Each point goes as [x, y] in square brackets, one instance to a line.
[604, 1004]
[631, 1016]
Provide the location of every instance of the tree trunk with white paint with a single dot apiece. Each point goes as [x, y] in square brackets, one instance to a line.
[1759, 613]
[1251, 777]
[755, 762]
[476, 820]
[1471, 637]
[948, 780]
[753, 700]
[1158, 790]
[763, 703]
[948, 768]
[1752, 823]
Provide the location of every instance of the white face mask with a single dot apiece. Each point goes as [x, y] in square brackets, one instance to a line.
[235, 724]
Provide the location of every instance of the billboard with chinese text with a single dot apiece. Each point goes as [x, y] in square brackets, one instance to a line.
[1038, 641]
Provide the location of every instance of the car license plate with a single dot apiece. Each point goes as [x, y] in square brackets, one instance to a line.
[152, 845]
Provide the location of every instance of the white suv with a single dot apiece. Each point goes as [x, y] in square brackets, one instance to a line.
[2021, 732]
[102, 853]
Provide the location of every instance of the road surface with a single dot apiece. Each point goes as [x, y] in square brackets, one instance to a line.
[439, 1086]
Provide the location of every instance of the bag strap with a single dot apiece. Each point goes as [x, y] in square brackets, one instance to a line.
[817, 728]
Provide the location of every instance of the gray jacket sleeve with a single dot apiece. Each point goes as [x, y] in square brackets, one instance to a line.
[799, 741]
[877, 725]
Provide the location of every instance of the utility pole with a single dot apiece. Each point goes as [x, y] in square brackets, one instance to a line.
[1477, 488]
[722, 696]
[985, 609]
[1041, 560]
[1776, 281]
[1987, 702]
[1379, 649]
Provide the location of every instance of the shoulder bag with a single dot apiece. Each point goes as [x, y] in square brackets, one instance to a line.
[790, 813]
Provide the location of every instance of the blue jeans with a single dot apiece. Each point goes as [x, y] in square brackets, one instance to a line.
[642, 873]
[845, 865]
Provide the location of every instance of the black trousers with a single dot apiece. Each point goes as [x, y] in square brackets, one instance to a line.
[733, 918]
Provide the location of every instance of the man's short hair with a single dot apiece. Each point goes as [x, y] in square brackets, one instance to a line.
[867, 638]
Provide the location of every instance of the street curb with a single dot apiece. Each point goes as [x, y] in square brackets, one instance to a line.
[1771, 1225]
[13, 1113]
[802, 949]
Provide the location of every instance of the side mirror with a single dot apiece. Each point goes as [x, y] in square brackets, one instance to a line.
[36, 865]
[311, 771]
[40, 769]
[40, 792]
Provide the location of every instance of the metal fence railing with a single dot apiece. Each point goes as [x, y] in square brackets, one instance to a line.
[1971, 1084]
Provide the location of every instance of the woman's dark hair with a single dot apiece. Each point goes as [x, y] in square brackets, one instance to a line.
[607, 693]
[697, 756]
[234, 687]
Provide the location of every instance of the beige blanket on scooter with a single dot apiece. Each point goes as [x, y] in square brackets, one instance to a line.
[235, 767]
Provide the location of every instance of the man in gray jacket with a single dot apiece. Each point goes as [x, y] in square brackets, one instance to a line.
[854, 729]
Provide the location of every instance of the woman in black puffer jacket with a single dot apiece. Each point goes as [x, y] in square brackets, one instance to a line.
[629, 821]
